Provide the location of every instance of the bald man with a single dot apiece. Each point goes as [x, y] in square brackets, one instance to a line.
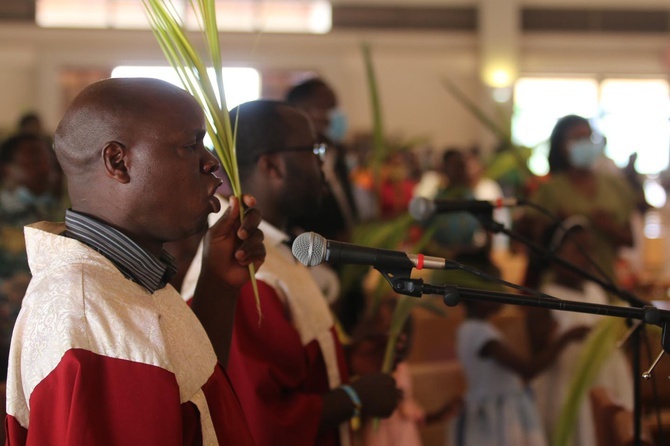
[104, 352]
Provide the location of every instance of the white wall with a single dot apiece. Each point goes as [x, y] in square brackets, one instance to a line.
[409, 69]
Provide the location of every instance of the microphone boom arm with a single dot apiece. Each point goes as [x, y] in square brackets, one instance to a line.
[452, 295]
[627, 296]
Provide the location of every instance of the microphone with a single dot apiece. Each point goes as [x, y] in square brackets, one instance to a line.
[312, 249]
[421, 208]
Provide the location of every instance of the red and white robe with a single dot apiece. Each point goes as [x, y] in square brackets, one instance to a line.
[283, 365]
[96, 359]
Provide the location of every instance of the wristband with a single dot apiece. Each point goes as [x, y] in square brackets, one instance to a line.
[356, 417]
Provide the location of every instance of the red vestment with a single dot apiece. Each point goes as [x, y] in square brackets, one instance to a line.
[97, 359]
[279, 381]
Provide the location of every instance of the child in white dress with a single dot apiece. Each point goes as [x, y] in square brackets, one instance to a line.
[499, 408]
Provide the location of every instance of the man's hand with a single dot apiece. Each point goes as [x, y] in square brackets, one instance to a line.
[378, 393]
[230, 245]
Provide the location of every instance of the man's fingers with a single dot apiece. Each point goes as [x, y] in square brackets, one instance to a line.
[225, 225]
[249, 201]
[252, 218]
[251, 249]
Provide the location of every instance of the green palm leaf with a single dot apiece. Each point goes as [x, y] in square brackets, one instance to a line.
[598, 347]
[192, 70]
[502, 134]
[380, 150]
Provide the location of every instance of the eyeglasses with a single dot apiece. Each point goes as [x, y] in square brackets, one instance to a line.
[318, 149]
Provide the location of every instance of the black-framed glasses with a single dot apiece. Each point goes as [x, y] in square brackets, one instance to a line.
[318, 149]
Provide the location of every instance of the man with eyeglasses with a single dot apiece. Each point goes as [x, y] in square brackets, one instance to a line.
[288, 367]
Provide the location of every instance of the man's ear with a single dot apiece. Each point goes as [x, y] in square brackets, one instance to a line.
[115, 156]
[271, 165]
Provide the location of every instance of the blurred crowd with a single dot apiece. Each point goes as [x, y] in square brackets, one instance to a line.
[32, 189]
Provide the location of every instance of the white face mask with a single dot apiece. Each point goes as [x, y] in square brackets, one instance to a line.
[584, 152]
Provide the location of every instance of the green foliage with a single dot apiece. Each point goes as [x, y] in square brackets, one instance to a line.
[509, 164]
[384, 234]
[380, 149]
[598, 347]
[192, 70]
[501, 132]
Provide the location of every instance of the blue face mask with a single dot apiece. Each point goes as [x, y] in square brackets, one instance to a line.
[584, 152]
[337, 129]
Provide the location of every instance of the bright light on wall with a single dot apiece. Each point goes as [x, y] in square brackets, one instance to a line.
[499, 78]
[282, 16]
[241, 84]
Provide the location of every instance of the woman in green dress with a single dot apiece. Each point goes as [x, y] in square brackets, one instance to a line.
[575, 187]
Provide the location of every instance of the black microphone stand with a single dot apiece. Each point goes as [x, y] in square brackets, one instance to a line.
[635, 334]
[402, 283]
[400, 280]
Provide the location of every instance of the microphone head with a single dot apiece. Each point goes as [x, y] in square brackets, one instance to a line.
[309, 248]
[420, 208]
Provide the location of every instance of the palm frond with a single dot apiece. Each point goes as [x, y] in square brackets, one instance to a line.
[193, 73]
[502, 134]
[379, 146]
[596, 350]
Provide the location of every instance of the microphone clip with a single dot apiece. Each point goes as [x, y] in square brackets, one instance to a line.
[401, 281]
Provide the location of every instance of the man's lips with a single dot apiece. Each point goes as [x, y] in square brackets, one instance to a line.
[214, 202]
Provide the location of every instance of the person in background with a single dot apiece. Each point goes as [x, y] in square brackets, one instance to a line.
[631, 263]
[460, 235]
[103, 350]
[636, 182]
[484, 188]
[575, 187]
[337, 216]
[30, 123]
[319, 101]
[366, 355]
[25, 197]
[499, 408]
[605, 164]
[363, 187]
[287, 364]
[431, 179]
[397, 184]
[569, 240]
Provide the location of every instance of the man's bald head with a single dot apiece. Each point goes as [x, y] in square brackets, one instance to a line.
[118, 110]
[133, 153]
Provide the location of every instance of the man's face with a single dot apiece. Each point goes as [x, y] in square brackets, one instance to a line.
[171, 172]
[304, 185]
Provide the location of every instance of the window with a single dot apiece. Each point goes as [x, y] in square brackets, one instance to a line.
[296, 16]
[240, 84]
[634, 117]
[632, 114]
